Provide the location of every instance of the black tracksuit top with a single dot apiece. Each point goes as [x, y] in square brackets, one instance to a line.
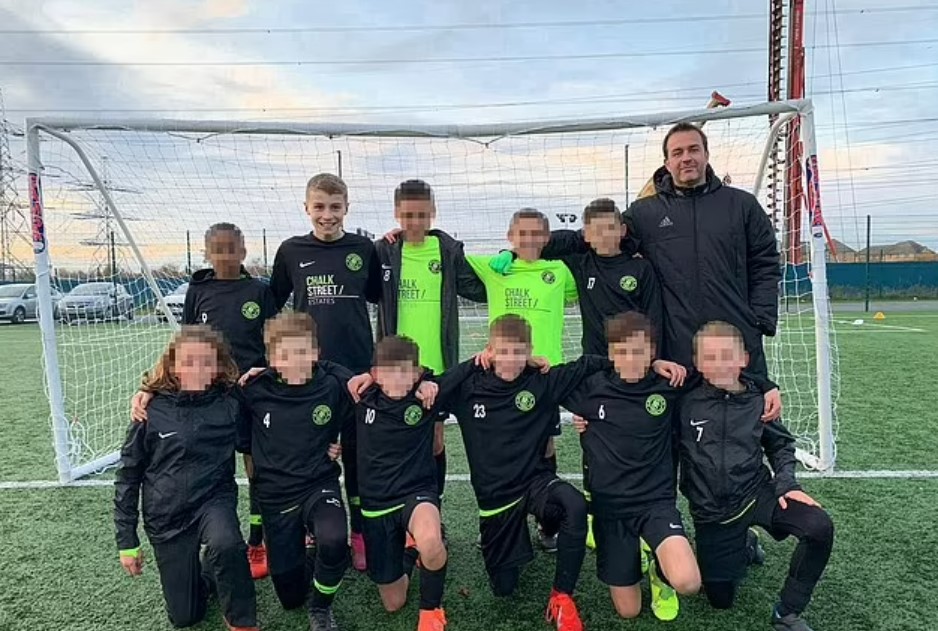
[182, 458]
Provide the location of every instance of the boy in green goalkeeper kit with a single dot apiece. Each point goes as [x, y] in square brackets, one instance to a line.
[537, 290]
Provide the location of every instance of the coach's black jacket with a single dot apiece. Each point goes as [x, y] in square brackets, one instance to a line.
[715, 253]
[458, 280]
[183, 457]
[724, 445]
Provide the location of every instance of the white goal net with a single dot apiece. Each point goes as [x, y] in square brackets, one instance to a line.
[126, 205]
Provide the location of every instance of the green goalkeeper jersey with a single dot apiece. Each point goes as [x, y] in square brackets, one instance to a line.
[538, 291]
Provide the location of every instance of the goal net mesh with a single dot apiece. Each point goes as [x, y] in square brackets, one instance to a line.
[169, 186]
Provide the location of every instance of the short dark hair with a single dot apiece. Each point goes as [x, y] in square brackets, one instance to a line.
[719, 328]
[511, 327]
[215, 228]
[683, 127]
[529, 213]
[623, 326]
[289, 324]
[599, 207]
[396, 349]
[413, 190]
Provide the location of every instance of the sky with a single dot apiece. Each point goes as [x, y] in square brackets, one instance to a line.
[872, 70]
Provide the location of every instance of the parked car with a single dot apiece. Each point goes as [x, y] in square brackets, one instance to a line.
[96, 301]
[20, 301]
[175, 300]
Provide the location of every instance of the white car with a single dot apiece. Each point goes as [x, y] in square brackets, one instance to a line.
[175, 301]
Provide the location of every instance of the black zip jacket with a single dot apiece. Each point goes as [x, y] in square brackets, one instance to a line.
[237, 308]
[182, 458]
[724, 445]
[458, 280]
[715, 253]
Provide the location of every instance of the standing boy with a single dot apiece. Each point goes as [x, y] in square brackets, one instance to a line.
[424, 273]
[333, 275]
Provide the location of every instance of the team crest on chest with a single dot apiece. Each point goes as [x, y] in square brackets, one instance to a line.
[322, 414]
[250, 310]
[435, 266]
[525, 401]
[656, 405]
[628, 283]
[548, 277]
[413, 414]
[354, 262]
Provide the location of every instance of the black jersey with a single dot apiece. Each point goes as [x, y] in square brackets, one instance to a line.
[607, 285]
[332, 281]
[290, 428]
[395, 449]
[237, 308]
[628, 441]
[505, 425]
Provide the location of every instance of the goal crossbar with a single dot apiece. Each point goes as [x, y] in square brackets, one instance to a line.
[653, 120]
[485, 134]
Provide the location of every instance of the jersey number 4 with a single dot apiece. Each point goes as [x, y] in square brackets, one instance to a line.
[478, 410]
[266, 420]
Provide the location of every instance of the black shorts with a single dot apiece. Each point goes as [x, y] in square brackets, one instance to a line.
[385, 535]
[555, 428]
[618, 551]
[721, 546]
[506, 541]
[285, 529]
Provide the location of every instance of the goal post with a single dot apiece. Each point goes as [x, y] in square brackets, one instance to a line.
[128, 201]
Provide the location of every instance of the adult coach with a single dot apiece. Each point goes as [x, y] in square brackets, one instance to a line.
[714, 250]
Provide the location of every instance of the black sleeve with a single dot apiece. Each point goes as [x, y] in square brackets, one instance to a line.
[634, 236]
[129, 477]
[762, 382]
[281, 285]
[468, 283]
[373, 284]
[268, 304]
[779, 447]
[575, 400]
[244, 420]
[565, 378]
[342, 375]
[188, 307]
[564, 243]
[762, 267]
[451, 381]
[652, 307]
[339, 371]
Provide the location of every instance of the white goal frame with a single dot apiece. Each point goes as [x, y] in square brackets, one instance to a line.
[59, 127]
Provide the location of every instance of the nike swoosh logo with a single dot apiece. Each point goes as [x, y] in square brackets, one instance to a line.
[674, 526]
[422, 498]
[694, 423]
[383, 266]
[306, 264]
[167, 435]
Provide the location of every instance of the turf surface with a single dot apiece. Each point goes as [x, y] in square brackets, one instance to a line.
[60, 569]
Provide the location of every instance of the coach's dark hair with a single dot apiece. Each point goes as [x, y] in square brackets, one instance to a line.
[600, 207]
[719, 328]
[684, 127]
[511, 327]
[396, 349]
[224, 226]
[413, 190]
[529, 213]
[624, 326]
